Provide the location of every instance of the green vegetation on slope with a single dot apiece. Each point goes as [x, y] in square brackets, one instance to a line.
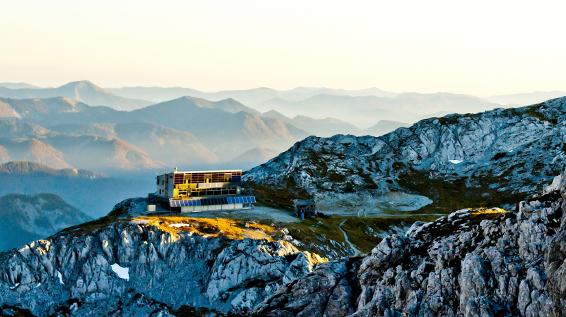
[364, 232]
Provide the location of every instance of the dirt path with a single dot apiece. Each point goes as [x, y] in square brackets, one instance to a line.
[352, 246]
[256, 213]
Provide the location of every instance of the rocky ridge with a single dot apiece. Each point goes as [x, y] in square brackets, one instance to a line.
[473, 262]
[118, 266]
[497, 156]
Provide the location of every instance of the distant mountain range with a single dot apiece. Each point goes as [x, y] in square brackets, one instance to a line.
[26, 218]
[529, 98]
[227, 127]
[18, 86]
[322, 127]
[92, 192]
[329, 126]
[80, 125]
[187, 131]
[24, 140]
[385, 126]
[23, 168]
[253, 97]
[360, 107]
[319, 101]
[366, 110]
[254, 157]
[83, 91]
[263, 98]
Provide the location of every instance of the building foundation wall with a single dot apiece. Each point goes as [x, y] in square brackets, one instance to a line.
[213, 207]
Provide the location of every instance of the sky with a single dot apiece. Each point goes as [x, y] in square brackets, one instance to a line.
[475, 47]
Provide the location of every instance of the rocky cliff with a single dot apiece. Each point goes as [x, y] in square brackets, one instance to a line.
[489, 158]
[474, 262]
[150, 266]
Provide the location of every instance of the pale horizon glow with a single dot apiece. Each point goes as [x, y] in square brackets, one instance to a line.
[480, 47]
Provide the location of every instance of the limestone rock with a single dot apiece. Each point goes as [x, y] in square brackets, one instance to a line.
[473, 262]
[167, 272]
[494, 156]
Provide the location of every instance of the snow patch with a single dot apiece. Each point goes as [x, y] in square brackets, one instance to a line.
[122, 272]
[455, 161]
[23, 249]
[60, 277]
[15, 286]
[179, 225]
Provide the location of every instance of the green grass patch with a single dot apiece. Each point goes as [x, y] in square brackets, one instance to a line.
[91, 226]
[362, 231]
[278, 196]
[455, 194]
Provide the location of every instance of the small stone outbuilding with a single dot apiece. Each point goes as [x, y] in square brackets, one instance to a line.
[305, 208]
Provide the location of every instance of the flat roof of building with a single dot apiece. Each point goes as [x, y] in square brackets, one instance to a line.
[209, 171]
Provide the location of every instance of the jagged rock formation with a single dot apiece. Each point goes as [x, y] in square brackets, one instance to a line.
[474, 262]
[128, 267]
[487, 158]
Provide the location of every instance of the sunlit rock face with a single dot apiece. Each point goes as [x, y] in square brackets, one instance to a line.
[496, 156]
[135, 267]
[473, 262]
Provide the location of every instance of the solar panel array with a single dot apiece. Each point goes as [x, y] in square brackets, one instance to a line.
[213, 201]
[241, 200]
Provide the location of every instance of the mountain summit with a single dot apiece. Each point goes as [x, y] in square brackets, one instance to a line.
[490, 157]
[84, 91]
